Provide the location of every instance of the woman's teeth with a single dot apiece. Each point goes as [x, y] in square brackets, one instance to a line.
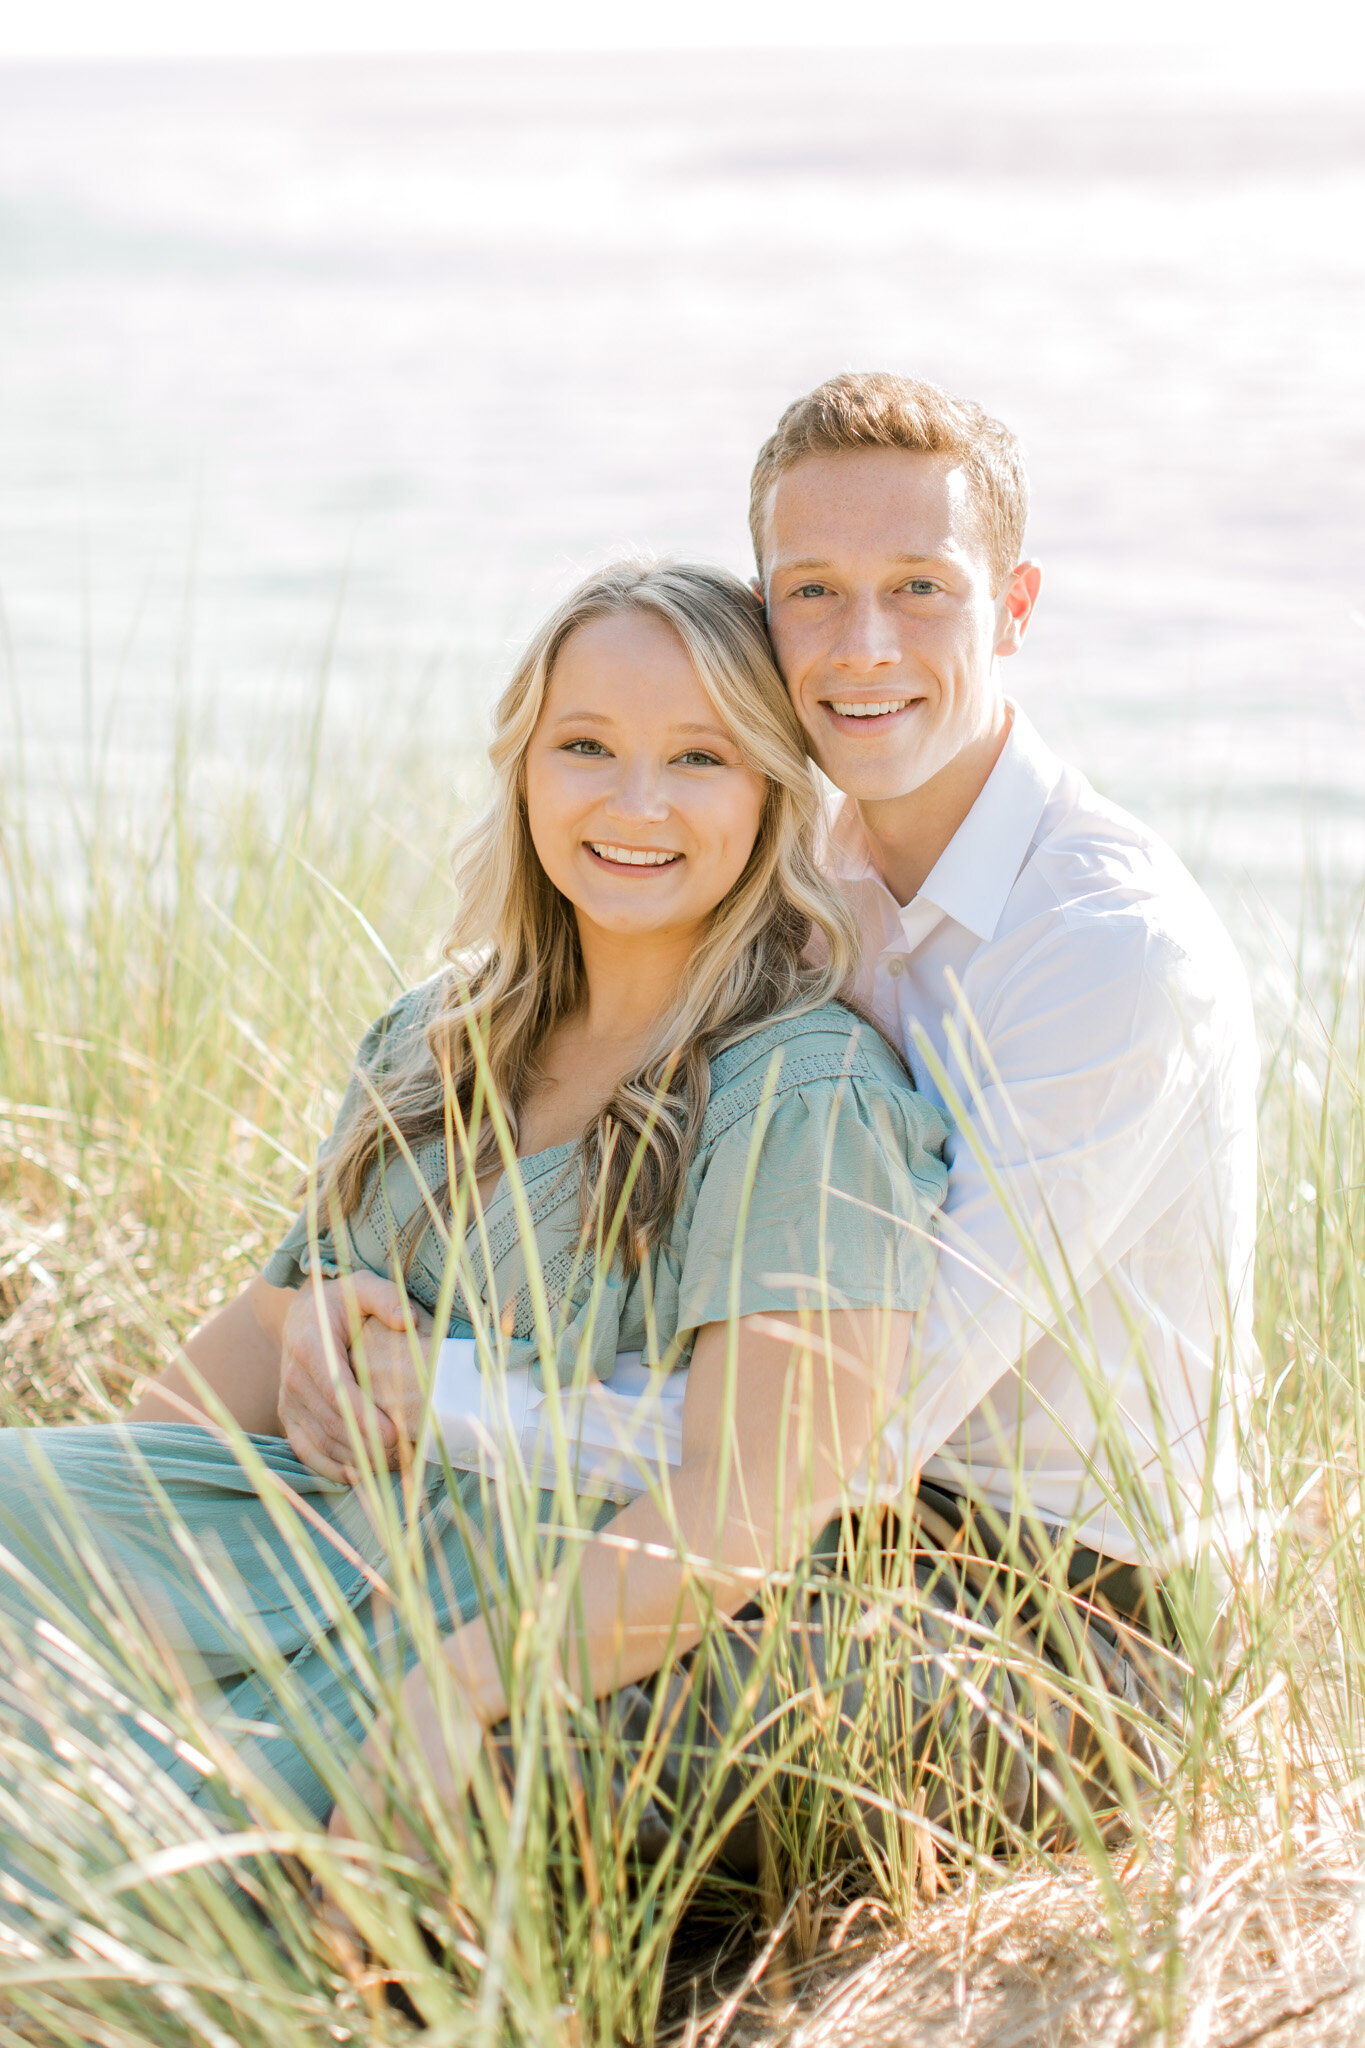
[868, 710]
[634, 856]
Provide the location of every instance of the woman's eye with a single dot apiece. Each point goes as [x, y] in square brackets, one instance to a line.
[590, 749]
[697, 757]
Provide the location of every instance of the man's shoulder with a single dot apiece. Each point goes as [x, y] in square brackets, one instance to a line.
[1093, 866]
[1103, 901]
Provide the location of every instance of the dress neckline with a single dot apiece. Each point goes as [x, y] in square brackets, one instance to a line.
[498, 1192]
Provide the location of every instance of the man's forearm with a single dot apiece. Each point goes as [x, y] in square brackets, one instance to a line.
[746, 1501]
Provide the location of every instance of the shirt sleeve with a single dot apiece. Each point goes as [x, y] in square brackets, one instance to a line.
[309, 1245]
[1089, 1100]
[825, 1196]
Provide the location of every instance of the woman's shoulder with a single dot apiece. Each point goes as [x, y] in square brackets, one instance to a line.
[832, 1106]
[824, 1046]
[406, 1015]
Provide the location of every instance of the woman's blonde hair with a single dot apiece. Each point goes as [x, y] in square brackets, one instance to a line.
[756, 961]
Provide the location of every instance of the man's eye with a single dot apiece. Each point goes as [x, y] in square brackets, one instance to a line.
[921, 586]
[591, 749]
[813, 590]
[697, 757]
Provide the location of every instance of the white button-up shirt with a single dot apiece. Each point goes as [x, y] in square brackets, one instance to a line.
[1062, 987]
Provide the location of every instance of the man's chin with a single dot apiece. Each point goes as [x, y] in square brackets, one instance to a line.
[874, 782]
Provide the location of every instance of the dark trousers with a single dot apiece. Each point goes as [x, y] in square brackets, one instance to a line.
[967, 1683]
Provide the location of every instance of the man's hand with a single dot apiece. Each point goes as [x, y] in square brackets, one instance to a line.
[318, 1384]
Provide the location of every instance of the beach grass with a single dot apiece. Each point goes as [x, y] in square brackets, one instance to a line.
[184, 973]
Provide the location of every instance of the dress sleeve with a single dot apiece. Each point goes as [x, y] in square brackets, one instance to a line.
[308, 1245]
[827, 1197]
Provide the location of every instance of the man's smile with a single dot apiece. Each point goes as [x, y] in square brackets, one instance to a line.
[869, 715]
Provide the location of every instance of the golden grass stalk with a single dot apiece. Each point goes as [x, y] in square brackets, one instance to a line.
[181, 984]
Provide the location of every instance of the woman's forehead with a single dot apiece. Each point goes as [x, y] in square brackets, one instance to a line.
[630, 669]
[634, 637]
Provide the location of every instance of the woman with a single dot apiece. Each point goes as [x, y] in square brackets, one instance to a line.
[631, 1118]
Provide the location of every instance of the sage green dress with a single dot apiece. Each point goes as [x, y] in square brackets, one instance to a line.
[816, 1179]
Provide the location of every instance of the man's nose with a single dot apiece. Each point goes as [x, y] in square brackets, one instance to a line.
[637, 793]
[867, 639]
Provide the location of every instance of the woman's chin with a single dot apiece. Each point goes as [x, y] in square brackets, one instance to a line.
[640, 920]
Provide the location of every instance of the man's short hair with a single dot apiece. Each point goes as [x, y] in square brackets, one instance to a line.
[875, 409]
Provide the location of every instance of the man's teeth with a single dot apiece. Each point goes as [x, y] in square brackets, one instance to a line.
[869, 710]
[634, 856]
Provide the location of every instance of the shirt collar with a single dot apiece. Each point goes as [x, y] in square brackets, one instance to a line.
[973, 876]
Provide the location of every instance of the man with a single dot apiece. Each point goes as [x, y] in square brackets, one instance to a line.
[1053, 974]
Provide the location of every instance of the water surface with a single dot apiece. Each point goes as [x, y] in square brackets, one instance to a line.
[369, 359]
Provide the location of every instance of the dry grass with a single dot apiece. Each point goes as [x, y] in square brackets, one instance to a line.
[73, 1287]
[1268, 1951]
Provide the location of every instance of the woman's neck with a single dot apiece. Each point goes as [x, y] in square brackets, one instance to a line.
[631, 980]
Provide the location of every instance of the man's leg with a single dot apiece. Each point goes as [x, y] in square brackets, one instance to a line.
[929, 1674]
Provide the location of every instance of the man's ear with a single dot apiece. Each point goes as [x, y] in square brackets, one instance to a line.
[1014, 606]
[757, 589]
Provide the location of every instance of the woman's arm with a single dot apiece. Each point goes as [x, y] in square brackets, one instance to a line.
[769, 1446]
[237, 1353]
[762, 1474]
[279, 1360]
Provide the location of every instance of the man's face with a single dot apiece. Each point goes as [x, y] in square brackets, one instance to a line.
[882, 614]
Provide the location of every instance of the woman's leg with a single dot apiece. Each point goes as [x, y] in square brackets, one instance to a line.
[298, 1725]
[144, 1572]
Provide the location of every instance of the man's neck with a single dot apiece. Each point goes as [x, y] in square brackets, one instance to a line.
[907, 835]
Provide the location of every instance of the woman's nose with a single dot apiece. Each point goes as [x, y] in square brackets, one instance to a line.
[638, 793]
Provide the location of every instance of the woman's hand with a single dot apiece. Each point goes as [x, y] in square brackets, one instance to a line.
[390, 1362]
[760, 1476]
[318, 1384]
[449, 1747]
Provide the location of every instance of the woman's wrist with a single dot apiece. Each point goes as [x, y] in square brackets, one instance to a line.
[473, 1667]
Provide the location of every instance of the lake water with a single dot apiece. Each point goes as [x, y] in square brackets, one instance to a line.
[380, 355]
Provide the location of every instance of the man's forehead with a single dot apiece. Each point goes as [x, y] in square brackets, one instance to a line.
[893, 501]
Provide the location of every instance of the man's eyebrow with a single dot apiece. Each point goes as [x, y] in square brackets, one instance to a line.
[897, 561]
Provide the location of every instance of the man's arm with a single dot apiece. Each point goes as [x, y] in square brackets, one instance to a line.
[766, 1462]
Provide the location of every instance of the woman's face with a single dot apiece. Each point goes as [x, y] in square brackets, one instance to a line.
[640, 808]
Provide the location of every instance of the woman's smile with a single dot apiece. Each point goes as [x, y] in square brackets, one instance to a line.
[646, 859]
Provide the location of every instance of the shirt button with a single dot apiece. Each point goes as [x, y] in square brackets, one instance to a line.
[895, 966]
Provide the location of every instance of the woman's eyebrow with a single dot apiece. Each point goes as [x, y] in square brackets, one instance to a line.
[715, 732]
